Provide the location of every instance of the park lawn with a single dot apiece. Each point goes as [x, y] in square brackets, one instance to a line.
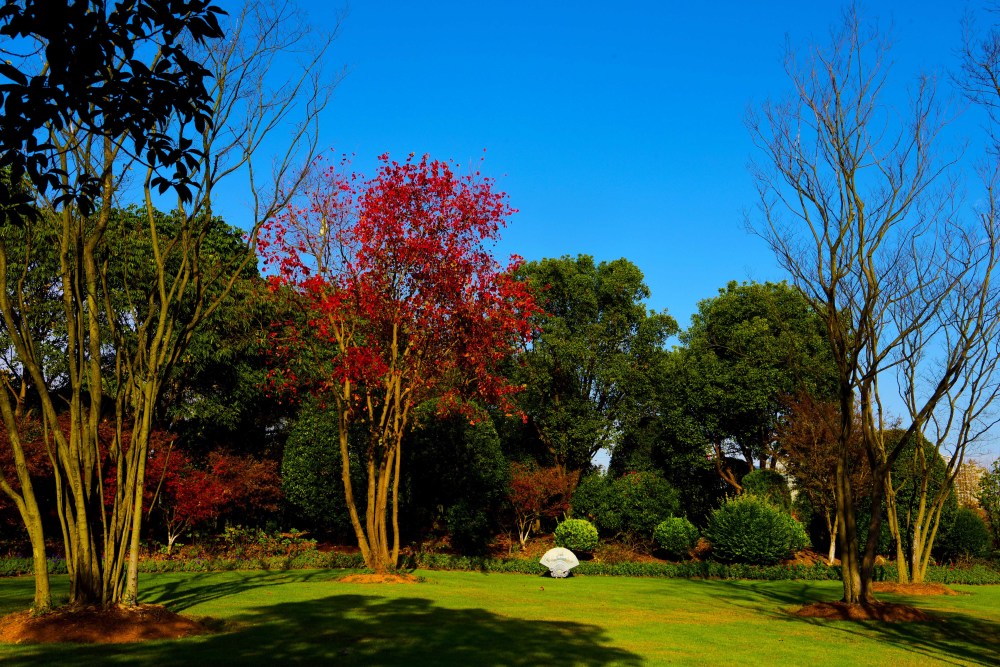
[463, 618]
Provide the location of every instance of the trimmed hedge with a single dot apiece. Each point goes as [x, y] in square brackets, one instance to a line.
[971, 575]
[576, 535]
[676, 536]
[749, 529]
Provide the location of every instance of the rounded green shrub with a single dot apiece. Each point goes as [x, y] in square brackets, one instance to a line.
[576, 535]
[770, 485]
[311, 472]
[748, 529]
[676, 536]
[969, 537]
[633, 504]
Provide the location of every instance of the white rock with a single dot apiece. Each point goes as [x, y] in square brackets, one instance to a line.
[559, 561]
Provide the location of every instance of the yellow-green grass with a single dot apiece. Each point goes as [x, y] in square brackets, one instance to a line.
[462, 618]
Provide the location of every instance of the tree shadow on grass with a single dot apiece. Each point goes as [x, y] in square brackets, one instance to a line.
[954, 636]
[361, 630]
[183, 593]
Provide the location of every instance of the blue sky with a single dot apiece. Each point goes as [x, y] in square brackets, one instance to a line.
[617, 129]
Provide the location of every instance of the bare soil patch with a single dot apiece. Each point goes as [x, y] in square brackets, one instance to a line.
[96, 625]
[912, 589]
[890, 612]
[380, 579]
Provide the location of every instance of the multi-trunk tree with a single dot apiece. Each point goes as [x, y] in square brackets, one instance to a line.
[142, 98]
[859, 209]
[401, 302]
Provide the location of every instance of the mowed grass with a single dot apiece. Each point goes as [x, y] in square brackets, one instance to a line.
[462, 618]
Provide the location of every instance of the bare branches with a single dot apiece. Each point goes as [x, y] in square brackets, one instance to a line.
[864, 213]
[120, 343]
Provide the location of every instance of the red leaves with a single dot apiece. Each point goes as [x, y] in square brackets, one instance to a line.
[396, 284]
[540, 492]
[185, 494]
[537, 493]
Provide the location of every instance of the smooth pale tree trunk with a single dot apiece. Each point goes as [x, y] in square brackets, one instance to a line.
[831, 528]
[892, 517]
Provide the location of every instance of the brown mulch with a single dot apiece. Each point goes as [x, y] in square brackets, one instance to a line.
[807, 558]
[95, 625]
[912, 589]
[890, 612]
[379, 579]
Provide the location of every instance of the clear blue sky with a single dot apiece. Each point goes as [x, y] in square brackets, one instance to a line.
[616, 128]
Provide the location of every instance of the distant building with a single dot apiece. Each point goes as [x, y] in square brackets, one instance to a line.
[967, 483]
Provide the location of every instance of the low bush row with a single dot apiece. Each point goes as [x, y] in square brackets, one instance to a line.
[967, 574]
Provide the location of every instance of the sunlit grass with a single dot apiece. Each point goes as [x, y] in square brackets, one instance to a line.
[461, 618]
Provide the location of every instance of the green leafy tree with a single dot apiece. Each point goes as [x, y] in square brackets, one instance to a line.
[587, 375]
[456, 477]
[745, 352]
[671, 440]
[769, 485]
[311, 471]
[988, 496]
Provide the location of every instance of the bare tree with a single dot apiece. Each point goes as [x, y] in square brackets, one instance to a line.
[862, 212]
[120, 350]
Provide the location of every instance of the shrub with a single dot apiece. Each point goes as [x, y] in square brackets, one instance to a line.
[632, 505]
[748, 529]
[676, 536]
[770, 485]
[969, 537]
[311, 471]
[469, 527]
[576, 535]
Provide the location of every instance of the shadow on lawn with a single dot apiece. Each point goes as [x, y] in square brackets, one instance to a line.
[362, 630]
[183, 593]
[955, 636]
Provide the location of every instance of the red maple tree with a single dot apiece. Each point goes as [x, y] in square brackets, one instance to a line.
[184, 495]
[537, 493]
[401, 301]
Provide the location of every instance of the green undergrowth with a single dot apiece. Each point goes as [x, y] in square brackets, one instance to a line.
[977, 574]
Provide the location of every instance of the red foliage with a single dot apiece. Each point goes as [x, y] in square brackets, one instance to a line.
[32, 437]
[400, 302]
[186, 496]
[29, 432]
[396, 280]
[247, 484]
[537, 493]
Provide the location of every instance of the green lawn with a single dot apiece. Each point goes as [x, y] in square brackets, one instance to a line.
[460, 618]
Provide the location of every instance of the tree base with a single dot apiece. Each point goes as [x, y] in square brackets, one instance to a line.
[889, 612]
[94, 625]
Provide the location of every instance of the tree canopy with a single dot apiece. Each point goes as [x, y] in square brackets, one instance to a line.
[587, 375]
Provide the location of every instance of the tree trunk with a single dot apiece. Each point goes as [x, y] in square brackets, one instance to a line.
[831, 529]
[27, 506]
[892, 516]
[850, 566]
